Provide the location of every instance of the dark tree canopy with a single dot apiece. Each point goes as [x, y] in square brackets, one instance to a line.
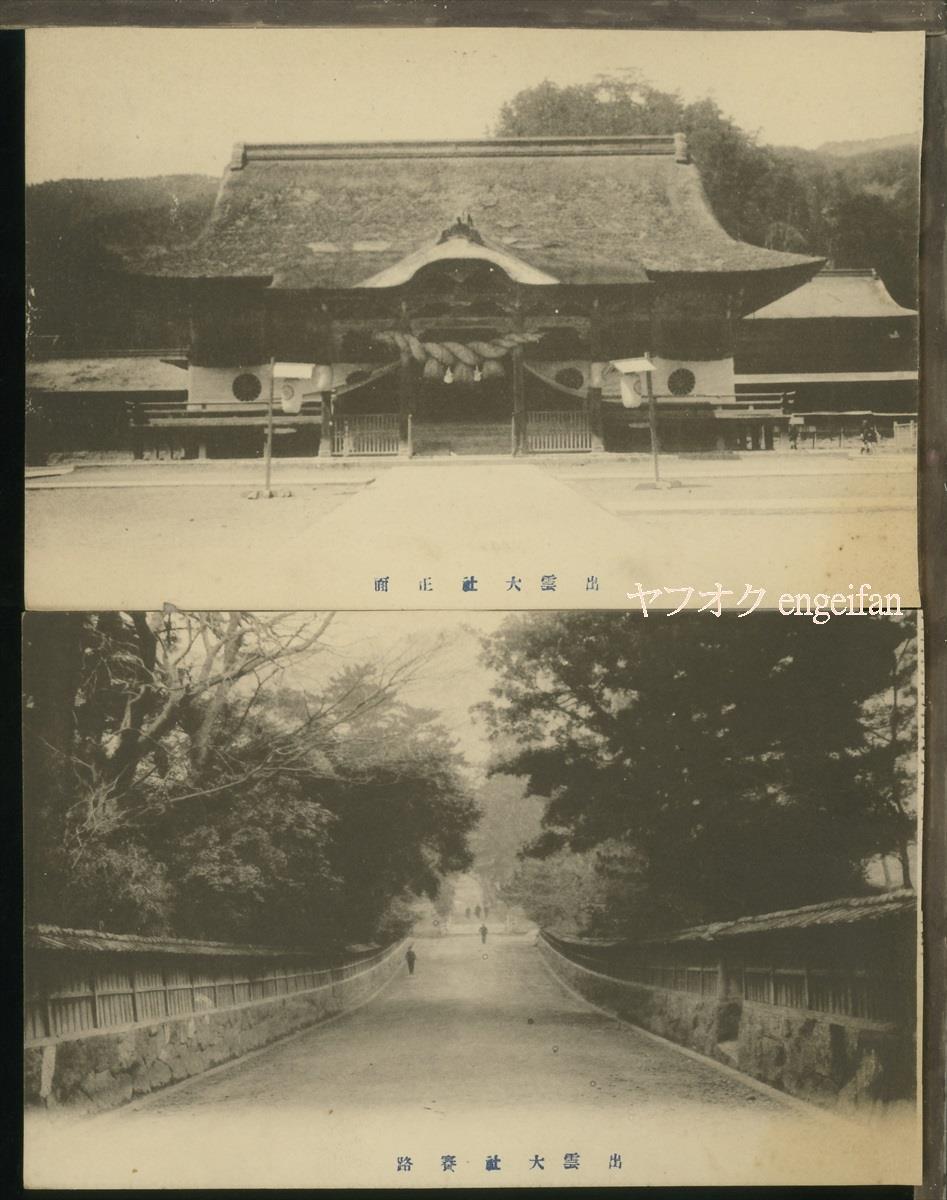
[175, 783]
[743, 762]
[859, 210]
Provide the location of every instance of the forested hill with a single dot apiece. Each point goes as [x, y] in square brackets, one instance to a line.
[867, 145]
[864, 209]
[71, 220]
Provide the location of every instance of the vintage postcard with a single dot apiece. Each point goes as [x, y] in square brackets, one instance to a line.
[459, 318]
[430, 900]
[455, 457]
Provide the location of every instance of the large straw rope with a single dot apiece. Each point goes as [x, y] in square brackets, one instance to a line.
[451, 354]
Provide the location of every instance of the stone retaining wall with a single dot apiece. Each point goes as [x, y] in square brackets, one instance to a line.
[107, 1068]
[819, 1057]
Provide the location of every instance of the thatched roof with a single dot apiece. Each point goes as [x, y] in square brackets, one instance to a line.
[578, 211]
[836, 293]
[850, 911]
[92, 941]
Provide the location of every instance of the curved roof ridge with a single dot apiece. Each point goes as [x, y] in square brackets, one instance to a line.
[626, 144]
[582, 211]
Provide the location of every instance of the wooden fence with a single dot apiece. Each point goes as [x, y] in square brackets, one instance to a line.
[367, 433]
[90, 996]
[562, 430]
[849, 958]
[845, 993]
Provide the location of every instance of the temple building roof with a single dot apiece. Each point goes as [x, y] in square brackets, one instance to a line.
[547, 210]
[835, 293]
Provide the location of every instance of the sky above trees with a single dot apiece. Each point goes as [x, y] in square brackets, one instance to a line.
[113, 103]
[310, 777]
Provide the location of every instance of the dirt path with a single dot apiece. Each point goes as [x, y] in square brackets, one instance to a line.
[324, 546]
[480, 1053]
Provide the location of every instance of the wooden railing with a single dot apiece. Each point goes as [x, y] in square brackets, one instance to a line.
[367, 433]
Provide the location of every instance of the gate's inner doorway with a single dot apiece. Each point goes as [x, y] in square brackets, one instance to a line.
[462, 417]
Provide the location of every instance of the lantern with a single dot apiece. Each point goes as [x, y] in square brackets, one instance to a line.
[448, 376]
[635, 373]
[322, 378]
[632, 388]
[432, 369]
[291, 398]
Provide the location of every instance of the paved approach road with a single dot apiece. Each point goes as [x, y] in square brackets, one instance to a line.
[480, 1053]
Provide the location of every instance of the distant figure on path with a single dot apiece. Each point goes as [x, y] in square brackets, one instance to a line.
[483, 933]
[869, 435]
[477, 912]
[467, 914]
[410, 958]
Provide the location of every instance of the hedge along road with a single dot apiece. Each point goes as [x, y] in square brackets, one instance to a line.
[323, 546]
[480, 1053]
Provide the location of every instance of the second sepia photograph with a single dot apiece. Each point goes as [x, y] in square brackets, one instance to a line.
[434, 899]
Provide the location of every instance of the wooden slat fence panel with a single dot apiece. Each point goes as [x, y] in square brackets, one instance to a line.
[72, 1006]
[114, 995]
[105, 997]
[35, 1023]
[151, 998]
[757, 984]
[709, 981]
[180, 992]
[562, 431]
[905, 435]
[789, 989]
[367, 433]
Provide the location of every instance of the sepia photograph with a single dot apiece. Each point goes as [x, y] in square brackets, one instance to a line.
[429, 899]
[389, 318]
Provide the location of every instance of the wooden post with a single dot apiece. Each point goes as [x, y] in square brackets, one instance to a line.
[96, 1024]
[138, 437]
[407, 377]
[405, 399]
[327, 436]
[134, 995]
[518, 383]
[519, 401]
[593, 404]
[653, 425]
[268, 448]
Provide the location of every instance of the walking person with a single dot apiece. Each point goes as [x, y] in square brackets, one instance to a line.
[483, 934]
[410, 958]
[869, 435]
